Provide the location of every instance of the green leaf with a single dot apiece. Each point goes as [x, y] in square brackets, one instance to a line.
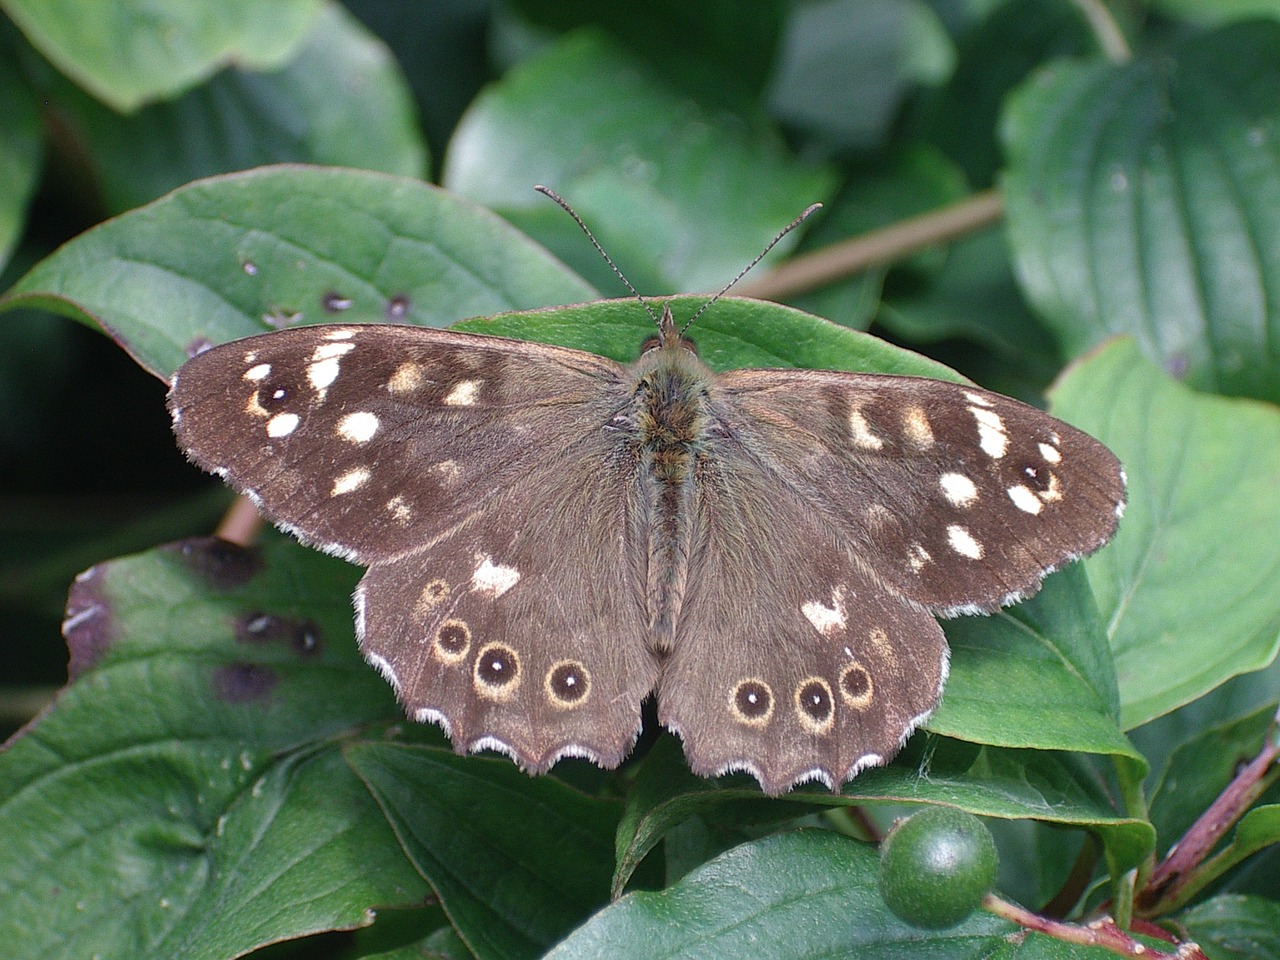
[734, 333]
[129, 52]
[973, 296]
[181, 798]
[236, 255]
[716, 50]
[1217, 11]
[988, 781]
[992, 57]
[20, 152]
[1036, 675]
[795, 895]
[1187, 587]
[339, 100]
[1144, 198]
[872, 51]
[1200, 768]
[681, 198]
[1233, 926]
[516, 861]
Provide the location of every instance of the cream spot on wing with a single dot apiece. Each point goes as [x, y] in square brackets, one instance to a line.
[1053, 492]
[349, 481]
[991, 436]
[399, 509]
[826, 620]
[358, 427]
[877, 515]
[977, 398]
[879, 641]
[282, 424]
[260, 372]
[331, 351]
[1050, 453]
[1024, 499]
[493, 579]
[434, 592]
[339, 334]
[406, 379]
[962, 542]
[447, 470]
[915, 424]
[860, 430]
[464, 394]
[919, 556]
[322, 373]
[959, 490]
[254, 408]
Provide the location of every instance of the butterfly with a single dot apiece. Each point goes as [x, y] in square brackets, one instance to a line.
[551, 537]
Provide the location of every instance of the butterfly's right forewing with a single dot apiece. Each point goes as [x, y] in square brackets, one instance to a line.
[371, 441]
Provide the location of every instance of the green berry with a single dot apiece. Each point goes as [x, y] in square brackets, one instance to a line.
[936, 866]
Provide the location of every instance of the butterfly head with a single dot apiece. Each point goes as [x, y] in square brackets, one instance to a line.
[670, 339]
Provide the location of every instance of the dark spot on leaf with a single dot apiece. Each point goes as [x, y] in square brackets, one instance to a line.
[88, 625]
[301, 636]
[244, 682]
[334, 302]
[1176, 366]
[398, 307]
[224, 565]
[198, 346]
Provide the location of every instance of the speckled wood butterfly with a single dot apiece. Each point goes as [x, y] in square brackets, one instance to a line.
[552, 537]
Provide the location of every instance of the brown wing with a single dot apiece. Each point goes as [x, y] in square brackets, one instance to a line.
[521, 630]
[373, 440]
[792, 660]
[460, 469]
[959, 498]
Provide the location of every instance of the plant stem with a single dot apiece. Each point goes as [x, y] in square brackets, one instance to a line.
[1099, 933]
[877, 248]
[1178, 869]
[1105, 29]
[242, 524]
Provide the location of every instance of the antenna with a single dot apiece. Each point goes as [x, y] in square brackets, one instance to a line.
[636, 293]
[599, 249]
[760, 256]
